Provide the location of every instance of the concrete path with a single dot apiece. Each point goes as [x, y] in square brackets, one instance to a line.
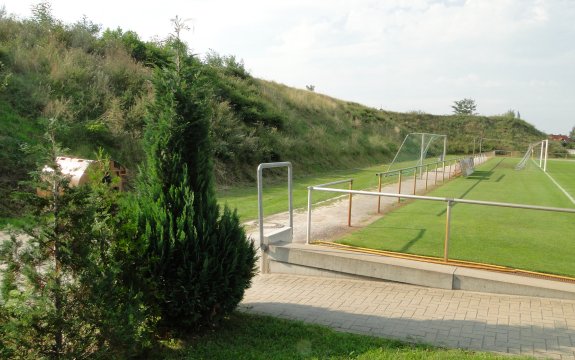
[454, 319]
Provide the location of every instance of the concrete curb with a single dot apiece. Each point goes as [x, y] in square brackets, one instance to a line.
[290, 258]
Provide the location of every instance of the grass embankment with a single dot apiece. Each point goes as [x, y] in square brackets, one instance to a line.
[253, 120]
[524, 239]
[246, 336]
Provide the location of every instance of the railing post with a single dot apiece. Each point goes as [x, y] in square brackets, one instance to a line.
[349, 210]
[436, 166]
[447, 231]
[426, 175]
[260, 206]
[308, 230]
[379, 197]
[443, 171]
[414, 180]
[290, 196]
[399, 187]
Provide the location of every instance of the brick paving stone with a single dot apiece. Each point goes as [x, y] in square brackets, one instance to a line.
[452, 318]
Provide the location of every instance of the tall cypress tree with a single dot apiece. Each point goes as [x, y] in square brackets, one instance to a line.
[198, 259]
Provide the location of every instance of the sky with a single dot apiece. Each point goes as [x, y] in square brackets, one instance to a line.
[398, 55]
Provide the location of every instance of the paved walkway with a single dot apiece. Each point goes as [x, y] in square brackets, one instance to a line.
[450, 318]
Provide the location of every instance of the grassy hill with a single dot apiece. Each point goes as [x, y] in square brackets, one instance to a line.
[96, 83]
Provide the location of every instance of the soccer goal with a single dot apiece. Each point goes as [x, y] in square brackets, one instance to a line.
[538, 152]
[418, 149]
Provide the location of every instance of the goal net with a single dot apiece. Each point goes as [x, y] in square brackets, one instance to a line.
[536, 152]
[419, 149]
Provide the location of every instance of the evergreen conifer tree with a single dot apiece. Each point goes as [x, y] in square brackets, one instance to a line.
[197, 258]
[60, 292]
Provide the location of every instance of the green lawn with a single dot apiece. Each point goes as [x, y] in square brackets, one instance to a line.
[524, 239]
[563, 171]
[245, 336]
[275, 198]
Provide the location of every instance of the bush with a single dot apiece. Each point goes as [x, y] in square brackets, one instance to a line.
[62, 293]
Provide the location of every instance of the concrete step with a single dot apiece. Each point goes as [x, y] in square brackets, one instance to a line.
[293, 258]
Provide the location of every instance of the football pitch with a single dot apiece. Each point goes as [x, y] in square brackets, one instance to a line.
[518, 238]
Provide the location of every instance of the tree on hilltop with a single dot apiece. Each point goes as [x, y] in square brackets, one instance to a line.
[464, 107]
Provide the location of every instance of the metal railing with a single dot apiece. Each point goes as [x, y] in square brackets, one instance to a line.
[260, 194]
[309, 201]
[450, 202]
[419, 168]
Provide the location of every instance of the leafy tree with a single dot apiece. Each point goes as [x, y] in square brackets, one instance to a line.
[572, 134]
[197, 258]
[464, 107]
[42, 14]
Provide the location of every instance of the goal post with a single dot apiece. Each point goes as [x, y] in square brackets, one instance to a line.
[538, 153]
[417, 149]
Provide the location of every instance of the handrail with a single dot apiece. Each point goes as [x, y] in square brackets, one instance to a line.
[450, 202]
[334, 183]
[446, 199]
[260, 195]
[309, 202]
[423, 165]
[402, 171]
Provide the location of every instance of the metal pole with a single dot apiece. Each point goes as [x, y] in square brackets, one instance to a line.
[444, 199]
[290, 196]
[349, 210]
[260, 195]
[308, 231]
[436, 166]
[399, 187]
[379, 190]
[444, 147]
[421, 152]
[546, 155]
[541, 155]
[447, 231]
[260, 206]
[443, 171]
[414, 180]
[426, 175]
[263, 260]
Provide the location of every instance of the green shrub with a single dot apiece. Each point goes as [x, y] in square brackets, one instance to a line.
[197, 258]
[62, 293]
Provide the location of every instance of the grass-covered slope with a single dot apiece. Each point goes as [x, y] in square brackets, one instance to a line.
[96, 83]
